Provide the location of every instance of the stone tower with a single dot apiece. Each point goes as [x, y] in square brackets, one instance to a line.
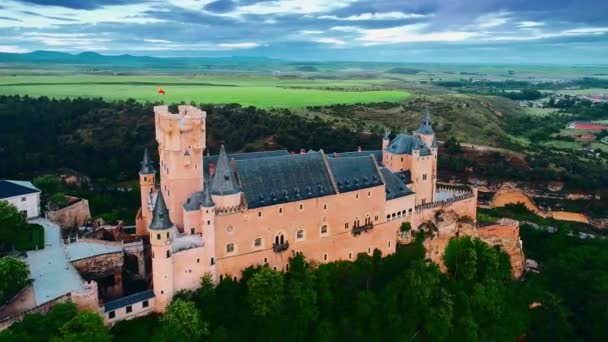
[426, 173]
[181, 142]
[225, 192]
[162, 232]
[147, 182]
[386, 138]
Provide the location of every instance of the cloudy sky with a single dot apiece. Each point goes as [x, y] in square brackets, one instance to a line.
[509, 31]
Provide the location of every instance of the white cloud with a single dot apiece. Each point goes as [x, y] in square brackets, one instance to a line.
[239, 45]
[161, 41]
[37, 16]
[586, 30]
[12, 49]
[527, 24]
[376, 16]
[329, 41]
[292, 7]
[345, 28]
[411, 34]
[310, 32]
[491, 20]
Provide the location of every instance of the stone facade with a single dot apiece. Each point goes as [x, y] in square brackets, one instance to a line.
[218, 215]
[75, 214]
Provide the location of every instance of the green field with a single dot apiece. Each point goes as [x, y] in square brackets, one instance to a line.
[259, 91]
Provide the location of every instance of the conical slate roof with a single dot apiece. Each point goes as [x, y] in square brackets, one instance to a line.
[160, 214]
[207, 202]
[426, 123]
[146, 164]
[224, 182]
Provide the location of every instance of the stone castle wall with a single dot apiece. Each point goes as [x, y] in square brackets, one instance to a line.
[73, 215]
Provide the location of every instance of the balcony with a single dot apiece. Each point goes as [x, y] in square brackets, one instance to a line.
[362, 229]
[280, 247]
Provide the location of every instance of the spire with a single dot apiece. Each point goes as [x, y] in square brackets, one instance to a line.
[207, 201]
[146, 164]
[387, 133]
[160, 215]
[224, 182]
[426, 123]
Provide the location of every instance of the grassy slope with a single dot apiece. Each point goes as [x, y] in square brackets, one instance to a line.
[255, 91]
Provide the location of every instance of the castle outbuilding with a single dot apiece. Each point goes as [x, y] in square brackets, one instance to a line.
[220, 214]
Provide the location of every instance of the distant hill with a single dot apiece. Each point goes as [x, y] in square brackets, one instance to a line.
[307, 68]
[403, 71]
[94, 58]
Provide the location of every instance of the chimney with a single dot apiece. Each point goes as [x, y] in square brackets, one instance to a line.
[302, 151]
[211, 168]
[359, 149]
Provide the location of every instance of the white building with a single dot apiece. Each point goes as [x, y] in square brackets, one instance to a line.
[24, 195]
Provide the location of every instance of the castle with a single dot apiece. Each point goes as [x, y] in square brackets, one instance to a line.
[220, 214]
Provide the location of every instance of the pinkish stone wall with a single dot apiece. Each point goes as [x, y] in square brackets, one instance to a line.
[73, 215]
[181, 141]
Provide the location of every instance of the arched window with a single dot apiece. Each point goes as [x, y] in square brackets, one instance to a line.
[257, 242]
[324, 229]
[230, 248]
[300, 234]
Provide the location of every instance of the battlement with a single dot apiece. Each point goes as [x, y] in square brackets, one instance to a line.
[182, 111]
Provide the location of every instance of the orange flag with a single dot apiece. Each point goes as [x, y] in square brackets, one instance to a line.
[161, 91]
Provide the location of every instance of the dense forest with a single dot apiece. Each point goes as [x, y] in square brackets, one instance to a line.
[105, 140]
[399, 297]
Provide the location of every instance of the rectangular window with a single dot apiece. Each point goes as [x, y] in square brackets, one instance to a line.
[212, 261]
[157, 236]
[230, 248]
[129, 309]
[167, 235]
[111, 314]
[346, 225]
[145, 304]
[23, 199]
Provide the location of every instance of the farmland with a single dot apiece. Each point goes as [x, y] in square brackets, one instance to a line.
[263, 92]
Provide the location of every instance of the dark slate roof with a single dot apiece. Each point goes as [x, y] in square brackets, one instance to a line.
[275, 180]
[394, 187]
[404, 176]
[243, 156]
[128, 300]
[426, 124]
[405, 144]
[13, 188]
[376, 153]
[194, 201]
[354, 173]
[147, 168]
[224, 181]
[207, 202]
[160, 214]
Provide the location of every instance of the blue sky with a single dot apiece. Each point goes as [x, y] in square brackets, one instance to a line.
[492, 31]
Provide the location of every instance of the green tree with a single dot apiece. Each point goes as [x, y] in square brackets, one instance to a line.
[11, 221]
[86, 326]
[301, 299]
[48, 184]
[13, 277]
[265, 293]
[183, 322]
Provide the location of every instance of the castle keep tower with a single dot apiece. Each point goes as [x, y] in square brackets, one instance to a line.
[181, 142]
[424, 173]
[146, 185]
[162, 232]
